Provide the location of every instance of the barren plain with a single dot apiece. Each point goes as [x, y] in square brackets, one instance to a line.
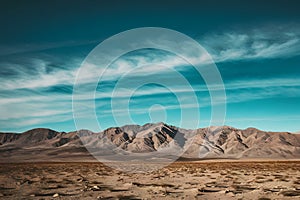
[181, 180]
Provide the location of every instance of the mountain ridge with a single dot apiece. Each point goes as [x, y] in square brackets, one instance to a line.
[210, 142]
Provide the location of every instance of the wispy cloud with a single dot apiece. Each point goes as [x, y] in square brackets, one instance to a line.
[224, 47]
[281, 42]
[6, 50]
[237, 91]
[30, 96]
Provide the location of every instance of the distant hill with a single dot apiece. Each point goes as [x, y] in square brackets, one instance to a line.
[212, 142]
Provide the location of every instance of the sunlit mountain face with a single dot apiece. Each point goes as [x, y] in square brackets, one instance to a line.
[254, 45]
[149, 142]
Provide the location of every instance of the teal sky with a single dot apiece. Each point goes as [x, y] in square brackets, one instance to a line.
[255, 45]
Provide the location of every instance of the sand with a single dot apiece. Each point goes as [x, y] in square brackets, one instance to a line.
[180, 180]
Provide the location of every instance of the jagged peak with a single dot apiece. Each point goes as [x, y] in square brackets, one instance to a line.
[252, 129]
[39, 130]
[220, 140]
[157, 124]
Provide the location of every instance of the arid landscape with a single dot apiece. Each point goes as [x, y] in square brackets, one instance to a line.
[218, 163]
[150, 100]
[180, 180]
[220, 142]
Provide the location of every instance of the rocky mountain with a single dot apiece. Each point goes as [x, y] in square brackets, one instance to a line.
[204, 143]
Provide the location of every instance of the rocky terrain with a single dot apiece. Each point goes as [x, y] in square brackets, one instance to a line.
[180, 180]
[217, 163]
[204, 143]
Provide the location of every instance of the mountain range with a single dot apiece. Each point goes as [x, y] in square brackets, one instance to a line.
[219, 142]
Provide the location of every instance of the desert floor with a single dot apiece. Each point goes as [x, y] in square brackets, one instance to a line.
[180, 180]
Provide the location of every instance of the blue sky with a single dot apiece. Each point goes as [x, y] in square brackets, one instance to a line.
[256, 47]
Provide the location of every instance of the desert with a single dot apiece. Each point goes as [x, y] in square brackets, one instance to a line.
[237, 164]
[181, 180]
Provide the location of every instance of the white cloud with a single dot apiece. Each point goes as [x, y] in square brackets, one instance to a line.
[264, 89]
[43, 107]
[253, 44]
[6, 50]
[25, 80]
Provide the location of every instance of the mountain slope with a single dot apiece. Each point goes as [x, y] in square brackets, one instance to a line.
[212, 142]
[229, 142]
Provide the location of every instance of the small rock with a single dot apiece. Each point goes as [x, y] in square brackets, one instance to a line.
[55, 195]
[95, 188]
[230, 193]
[127, 184]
